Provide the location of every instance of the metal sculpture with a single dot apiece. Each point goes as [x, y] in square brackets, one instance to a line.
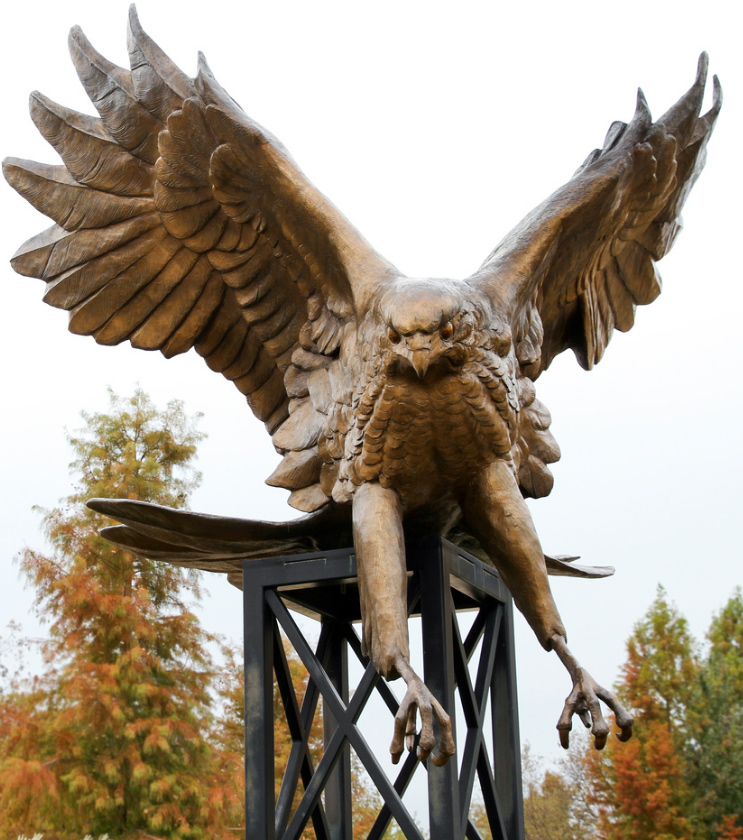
[400, 405]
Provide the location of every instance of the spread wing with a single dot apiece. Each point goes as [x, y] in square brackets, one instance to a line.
[181, 223]
[574, 270]
[221, 544]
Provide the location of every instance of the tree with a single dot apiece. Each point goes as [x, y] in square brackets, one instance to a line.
[117, 736]
[641, 788]
[554, 798]
[715, 753]
[681, 775]
[548, 801]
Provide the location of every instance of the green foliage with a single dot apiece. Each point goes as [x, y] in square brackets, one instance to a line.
[681, 775]
[119, 736]
[715, 755]
[662, 666]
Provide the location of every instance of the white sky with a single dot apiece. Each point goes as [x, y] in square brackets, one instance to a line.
[435, 128]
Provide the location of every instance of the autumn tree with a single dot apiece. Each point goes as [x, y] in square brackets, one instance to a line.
[641, 788]
[117, 736]
[681, 775]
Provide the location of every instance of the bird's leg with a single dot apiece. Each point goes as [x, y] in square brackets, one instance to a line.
[380, 556]
[583, 700]
[497, 513]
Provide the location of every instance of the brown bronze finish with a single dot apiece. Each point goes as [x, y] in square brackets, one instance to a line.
[400, 405]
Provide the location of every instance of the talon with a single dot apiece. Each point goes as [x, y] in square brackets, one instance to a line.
[583, 701]
[626, 733]
[418, 699]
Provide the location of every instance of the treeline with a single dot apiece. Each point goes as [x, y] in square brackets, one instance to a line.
[134, 728]
[681, 776]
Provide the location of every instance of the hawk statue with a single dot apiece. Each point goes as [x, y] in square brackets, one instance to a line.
[398, 404]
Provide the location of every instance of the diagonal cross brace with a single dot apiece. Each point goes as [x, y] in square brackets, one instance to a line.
[345, 717]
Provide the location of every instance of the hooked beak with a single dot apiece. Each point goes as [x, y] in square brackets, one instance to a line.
[420, 360]
[418, 350]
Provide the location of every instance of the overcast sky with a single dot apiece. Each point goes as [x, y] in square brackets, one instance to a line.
[434, 128]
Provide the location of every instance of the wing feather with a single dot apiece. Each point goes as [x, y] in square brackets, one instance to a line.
[111, 91]
[196, 320]
[157, 82]
[89, 154]
[181, 223]
[55, 193]
[582, 261]
[167, 316]
[184, 270]
[95, 311]
[80, 283]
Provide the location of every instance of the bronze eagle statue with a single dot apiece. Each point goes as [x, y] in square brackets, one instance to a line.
[399, 405]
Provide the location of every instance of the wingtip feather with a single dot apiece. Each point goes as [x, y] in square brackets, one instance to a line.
[134, 27]
[642, 109]
[85, 56]
[702, 69]
[716, 97]
[682, 117]
[202, 66]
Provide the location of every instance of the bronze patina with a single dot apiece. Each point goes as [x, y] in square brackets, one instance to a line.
[400, 406]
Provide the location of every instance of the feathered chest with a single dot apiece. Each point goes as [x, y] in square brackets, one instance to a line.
[409, 432]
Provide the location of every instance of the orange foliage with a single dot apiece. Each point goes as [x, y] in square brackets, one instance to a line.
[120, 736]
[640, 788]
[729, 830]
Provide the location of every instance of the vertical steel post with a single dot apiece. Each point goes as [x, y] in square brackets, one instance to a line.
[506, 738]
[338, 790]
[259, 736]
[438, 669]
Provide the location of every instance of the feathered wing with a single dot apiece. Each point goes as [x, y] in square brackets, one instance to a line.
[221, 544]
[574, 270]
[181, 223]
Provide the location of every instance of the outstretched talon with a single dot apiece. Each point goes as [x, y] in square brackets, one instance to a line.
[419, 699]
[583, 701]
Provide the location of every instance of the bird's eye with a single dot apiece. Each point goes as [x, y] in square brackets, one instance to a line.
[393, 335]
[447, 331]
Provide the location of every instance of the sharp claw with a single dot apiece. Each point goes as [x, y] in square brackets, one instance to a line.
[398, 738]
[600, 726]
[418, 699]
[626, 733]
[395, 750]
[583, 701]
[447, 747]
[440, 758]
[425, 749]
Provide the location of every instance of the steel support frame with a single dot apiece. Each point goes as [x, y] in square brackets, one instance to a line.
[442, 580]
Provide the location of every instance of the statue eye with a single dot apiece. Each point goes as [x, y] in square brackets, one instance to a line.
[393, 335]
[447, 331]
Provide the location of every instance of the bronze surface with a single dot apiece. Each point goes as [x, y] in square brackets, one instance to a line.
[399, 405]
